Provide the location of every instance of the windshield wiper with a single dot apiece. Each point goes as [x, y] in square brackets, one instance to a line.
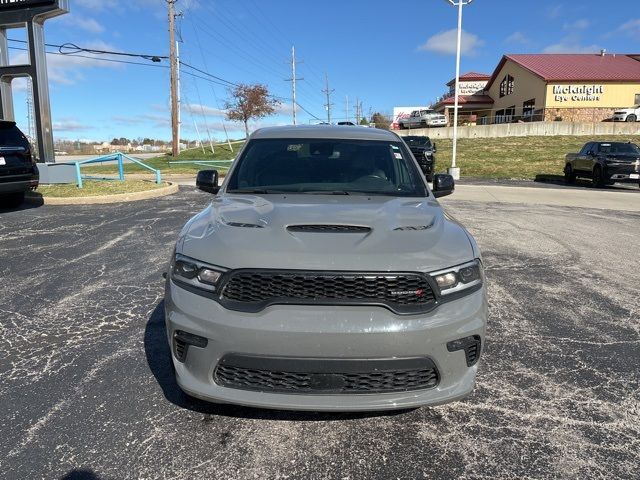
[326, 192]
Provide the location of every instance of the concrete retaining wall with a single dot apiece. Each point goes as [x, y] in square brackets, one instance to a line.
[530, 129]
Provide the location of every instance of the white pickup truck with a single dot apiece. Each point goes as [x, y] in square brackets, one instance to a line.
[423, 118]
[627, 114]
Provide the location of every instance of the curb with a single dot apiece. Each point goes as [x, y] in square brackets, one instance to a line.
[104, 199]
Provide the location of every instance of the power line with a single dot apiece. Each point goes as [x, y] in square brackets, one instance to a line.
[184, 64]
[308, 112]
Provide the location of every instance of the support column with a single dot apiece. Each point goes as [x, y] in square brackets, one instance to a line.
[39, 77]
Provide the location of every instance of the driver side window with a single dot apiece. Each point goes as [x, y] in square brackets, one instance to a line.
[586, 148]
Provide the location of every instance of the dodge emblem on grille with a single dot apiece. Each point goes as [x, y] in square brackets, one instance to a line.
[399, 293]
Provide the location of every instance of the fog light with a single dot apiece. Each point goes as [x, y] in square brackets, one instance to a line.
[470, 345]
[183, 340]
[191, 339]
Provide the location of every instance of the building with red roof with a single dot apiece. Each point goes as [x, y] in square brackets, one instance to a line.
[535, 87]
[569, 87]
[473, 99]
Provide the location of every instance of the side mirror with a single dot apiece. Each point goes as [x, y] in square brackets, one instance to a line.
[443, 185]
[207, 181]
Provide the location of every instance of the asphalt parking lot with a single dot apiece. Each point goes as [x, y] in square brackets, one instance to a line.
[87, 390]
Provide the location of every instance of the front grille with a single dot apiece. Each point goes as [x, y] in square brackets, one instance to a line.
[328, 228]
[402, 292]
[315, 376]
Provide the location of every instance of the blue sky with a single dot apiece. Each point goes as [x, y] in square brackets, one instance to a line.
[385, 54]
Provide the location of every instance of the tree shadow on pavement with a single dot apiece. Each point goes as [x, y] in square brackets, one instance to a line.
[159, 360]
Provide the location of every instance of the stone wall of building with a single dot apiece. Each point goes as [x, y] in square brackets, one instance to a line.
[584, 115]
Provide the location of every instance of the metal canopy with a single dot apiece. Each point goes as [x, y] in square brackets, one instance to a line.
[30, 14]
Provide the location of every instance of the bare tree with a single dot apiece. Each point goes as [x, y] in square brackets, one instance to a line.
[249, 101]
[381, 121]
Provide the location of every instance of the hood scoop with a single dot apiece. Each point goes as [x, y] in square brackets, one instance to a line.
[328, 228]
[415, 228]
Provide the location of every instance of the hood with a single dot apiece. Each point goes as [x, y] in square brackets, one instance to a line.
[290, 232]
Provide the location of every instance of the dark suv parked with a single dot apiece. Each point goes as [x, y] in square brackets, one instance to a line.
[18, 170]
[424, 150]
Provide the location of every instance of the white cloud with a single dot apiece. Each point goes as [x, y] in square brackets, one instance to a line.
[580, 24]
[445, 43]
[84, 23]
[518, 37]
[69, 125]
[631, 28]
[197, 109]
[571, 44]
[555, 11]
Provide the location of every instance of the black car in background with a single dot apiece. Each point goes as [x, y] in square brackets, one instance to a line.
[424, 150]
[605, 163]
[18, 170]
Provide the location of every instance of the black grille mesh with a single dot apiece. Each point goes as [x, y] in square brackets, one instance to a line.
[299, 382]
[263, 286]
[328, 228]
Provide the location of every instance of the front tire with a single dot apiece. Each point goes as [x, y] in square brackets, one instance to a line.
[632, 118]
[569, 174]
[598, 177]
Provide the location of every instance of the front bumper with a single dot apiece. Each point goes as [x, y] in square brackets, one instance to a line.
[332, 333]
[622, 173]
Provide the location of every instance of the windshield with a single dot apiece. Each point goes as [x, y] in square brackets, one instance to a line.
[415, 141]
[622, 148]
[326, 166]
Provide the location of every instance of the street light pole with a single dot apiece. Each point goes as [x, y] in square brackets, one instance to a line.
[454, 170]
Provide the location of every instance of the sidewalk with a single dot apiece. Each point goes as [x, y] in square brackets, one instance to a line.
[565, 197]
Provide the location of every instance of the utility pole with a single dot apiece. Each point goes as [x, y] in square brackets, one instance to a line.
[293, 81]
[346, 108]
[358, 108]
[328, 92]
[173, 60]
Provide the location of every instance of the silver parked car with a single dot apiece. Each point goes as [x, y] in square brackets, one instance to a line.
[324, 275]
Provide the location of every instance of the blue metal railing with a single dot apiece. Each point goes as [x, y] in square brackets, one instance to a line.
[118, 157]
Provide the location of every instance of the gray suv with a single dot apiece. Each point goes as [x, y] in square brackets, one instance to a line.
[324, 275]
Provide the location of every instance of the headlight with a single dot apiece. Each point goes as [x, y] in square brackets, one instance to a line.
[459, 278]
[197, 274]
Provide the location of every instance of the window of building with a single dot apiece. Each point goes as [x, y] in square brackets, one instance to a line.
[529, 107]
[637, 102]
[506, 86]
